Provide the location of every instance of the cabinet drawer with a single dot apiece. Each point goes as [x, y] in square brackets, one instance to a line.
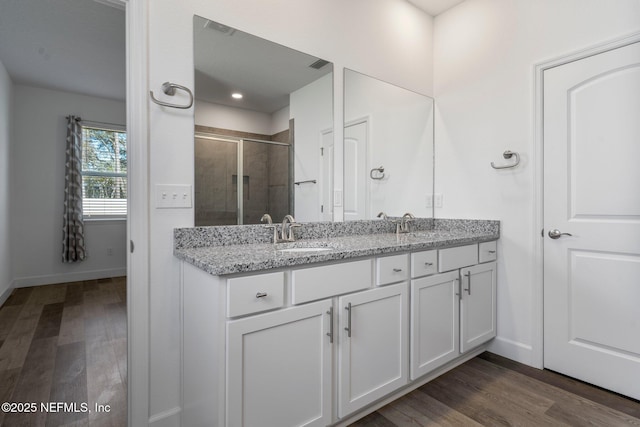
[314, 283]
[424, 263]
[461, 256]
[391, 269]
[253, 294]
[487, 251]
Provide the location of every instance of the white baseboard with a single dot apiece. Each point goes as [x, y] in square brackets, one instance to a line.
[513, 350]
[168, 418]
[50, 279]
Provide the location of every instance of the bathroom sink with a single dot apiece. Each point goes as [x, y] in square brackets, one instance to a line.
[308, 249]
[302, 246]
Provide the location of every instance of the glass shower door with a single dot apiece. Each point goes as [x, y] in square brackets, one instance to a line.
[215, 184]
[266, 180]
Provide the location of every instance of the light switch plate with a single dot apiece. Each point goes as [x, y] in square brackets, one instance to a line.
[173, 196]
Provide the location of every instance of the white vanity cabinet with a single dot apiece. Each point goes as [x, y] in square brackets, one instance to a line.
[455, 311]
[434, 322]
[279, 368]
[477, 305]
[372, 348]
[315, 345]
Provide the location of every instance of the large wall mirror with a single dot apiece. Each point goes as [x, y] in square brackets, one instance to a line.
[388, 149]
[263, 129]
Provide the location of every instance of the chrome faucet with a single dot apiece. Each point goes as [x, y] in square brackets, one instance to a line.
[382, 215]
[266, 217]
[286, 232]
[404, 222]
[269, 224]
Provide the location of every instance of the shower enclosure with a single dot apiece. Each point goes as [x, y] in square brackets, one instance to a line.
[239, 179]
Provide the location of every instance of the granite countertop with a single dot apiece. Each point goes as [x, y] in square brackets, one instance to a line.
[222, 259]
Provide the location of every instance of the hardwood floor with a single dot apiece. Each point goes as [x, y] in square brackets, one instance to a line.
[493, 391]
[68, 343]
[65, 343]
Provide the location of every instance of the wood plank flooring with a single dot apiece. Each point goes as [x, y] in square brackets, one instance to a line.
[493, 391]
[68, 343]
[65, 343]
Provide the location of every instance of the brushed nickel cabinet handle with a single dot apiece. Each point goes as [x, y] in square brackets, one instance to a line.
[397, 270]
[468, 276]
[348, 328]
[261, 294]
[330, 333]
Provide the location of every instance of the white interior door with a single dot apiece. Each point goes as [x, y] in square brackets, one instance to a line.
[326, 183]
[592, 192]
[356, 204]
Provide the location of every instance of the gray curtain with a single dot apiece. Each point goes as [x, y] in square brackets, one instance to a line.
[73, 228]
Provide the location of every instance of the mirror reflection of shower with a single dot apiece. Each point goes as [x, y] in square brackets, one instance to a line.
[239, 178]
[248, 93]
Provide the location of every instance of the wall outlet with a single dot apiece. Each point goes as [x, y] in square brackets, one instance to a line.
[437, 200]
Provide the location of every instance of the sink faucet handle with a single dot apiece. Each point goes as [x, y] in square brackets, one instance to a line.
[382, 215]
[266, 217]
[404, 223]
[286, 233]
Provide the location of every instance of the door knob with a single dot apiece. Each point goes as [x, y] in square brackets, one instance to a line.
[556, 234]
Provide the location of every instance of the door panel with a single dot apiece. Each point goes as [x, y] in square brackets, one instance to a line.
[434, 322]
[477, 305]
[279, 368]
[355, 172]
[373, 360]
[591, 177]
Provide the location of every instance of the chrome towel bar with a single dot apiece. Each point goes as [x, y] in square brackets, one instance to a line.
[507, 155]
[170, 89]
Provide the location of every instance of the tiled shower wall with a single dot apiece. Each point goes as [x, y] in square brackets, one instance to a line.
[266, 179]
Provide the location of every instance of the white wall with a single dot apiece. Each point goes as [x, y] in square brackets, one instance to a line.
[221, 116]
[393, 42]
[225, 117]
[5, 141]
[312, 111]
[400, 139]
[484, 55]
[37, 190]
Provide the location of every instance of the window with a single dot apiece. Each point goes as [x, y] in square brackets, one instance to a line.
[104, 171]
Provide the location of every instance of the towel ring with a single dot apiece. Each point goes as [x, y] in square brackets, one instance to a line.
[170, 89]
[507, 155]
[380, 173]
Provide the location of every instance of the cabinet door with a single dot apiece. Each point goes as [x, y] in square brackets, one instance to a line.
[478, 305]
[373, 345]
[434, 322]
[279, 368]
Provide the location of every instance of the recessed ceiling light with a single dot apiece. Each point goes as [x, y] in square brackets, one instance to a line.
[236, 95]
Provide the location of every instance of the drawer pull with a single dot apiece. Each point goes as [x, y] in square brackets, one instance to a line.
[261, 294]
[397, 270]
[428, 264]
[492, 252]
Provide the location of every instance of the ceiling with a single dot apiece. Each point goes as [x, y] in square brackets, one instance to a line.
[79, 45]
[435, 7]
[228, 60]
[71, 45]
